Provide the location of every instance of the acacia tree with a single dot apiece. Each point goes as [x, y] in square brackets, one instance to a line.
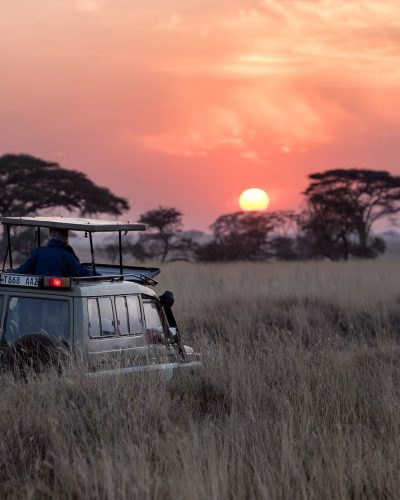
[30, 185]
[342, 207]
[246, 235]
[163, 225]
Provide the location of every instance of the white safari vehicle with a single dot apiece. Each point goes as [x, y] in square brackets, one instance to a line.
[109, 324]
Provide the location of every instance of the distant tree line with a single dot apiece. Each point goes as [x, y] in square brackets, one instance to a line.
[341, 207]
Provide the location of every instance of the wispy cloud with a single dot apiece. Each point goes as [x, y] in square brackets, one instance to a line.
[169, 23]
[88, 5]
[300, 72]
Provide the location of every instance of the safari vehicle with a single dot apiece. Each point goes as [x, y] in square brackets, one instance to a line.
[110, 323]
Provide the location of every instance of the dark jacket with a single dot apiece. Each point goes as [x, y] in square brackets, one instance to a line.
[52, 260]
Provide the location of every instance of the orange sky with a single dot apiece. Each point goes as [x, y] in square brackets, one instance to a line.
[189, 102]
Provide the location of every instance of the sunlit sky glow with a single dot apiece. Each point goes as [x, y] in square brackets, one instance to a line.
[187, 103]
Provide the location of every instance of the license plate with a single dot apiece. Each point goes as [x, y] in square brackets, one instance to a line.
[19, 280]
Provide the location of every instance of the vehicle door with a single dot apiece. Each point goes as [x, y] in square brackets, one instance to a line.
[115, 332]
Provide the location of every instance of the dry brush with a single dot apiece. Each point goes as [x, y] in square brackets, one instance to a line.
[299, 397]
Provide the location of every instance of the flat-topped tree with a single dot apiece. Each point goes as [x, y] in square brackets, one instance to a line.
[163, 224]
[30, 185]
[343, 205]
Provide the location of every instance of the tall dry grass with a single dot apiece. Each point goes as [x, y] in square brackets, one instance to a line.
[299, 397]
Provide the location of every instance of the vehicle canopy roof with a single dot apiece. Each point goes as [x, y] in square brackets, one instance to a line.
[74, 223]
[88, 226]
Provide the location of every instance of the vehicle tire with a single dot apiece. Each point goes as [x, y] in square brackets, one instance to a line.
[35, 353]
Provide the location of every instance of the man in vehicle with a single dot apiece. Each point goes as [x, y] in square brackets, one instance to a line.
[55, 259]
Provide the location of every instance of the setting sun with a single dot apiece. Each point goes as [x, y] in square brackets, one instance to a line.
[253, 199]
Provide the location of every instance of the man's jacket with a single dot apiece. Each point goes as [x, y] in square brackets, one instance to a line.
[52, 260]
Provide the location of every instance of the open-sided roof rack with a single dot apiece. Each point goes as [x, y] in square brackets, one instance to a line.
[88, 226]
[138, 278]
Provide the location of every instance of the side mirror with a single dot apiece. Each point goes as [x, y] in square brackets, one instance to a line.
[167, 299]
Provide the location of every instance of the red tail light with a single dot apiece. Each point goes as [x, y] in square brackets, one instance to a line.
[57, 282]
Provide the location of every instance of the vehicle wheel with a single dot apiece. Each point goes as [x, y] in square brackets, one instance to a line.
[35, 353]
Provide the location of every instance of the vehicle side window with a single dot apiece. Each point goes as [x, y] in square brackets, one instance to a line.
[122, 315]
[128, 315]
[28, 315]
[101, 317]
[106, 316]
[94, 318]
[154, 324]
[135, 316]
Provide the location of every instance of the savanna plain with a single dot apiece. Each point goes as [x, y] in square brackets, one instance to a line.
[299, 396]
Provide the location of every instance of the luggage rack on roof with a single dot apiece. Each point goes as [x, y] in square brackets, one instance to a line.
[110, 272]
[137, 278]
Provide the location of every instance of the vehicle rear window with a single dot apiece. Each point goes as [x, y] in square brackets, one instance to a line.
[101, 317]
[35, 315]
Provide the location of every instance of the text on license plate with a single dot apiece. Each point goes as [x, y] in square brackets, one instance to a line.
[19, 280]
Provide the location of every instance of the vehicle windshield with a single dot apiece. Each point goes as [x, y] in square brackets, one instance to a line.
[36, 315]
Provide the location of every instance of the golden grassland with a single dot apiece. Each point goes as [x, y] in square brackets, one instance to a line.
[299, 396]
